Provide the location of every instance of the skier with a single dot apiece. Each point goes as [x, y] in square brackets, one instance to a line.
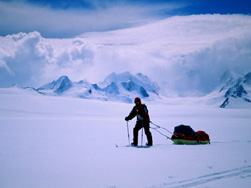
[143, 120]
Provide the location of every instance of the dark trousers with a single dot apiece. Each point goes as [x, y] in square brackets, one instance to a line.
[139, 126]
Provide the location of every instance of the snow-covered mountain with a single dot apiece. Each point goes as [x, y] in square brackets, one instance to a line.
[59, 86]
[116, 87]
[236, 89]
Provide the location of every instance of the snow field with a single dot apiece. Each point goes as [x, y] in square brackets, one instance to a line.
[67, 142]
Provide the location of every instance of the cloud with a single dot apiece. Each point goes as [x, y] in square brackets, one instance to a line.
[199, 72]
[22, 16]
[186, 55]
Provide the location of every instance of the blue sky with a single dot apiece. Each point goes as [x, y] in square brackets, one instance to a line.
[192, 6]
[64, 18]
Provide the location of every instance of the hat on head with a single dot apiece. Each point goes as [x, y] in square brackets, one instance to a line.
[137, 99]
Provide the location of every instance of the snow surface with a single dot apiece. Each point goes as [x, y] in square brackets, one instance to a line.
[48, 141]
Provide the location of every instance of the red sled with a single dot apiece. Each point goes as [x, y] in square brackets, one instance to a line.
[184, 134]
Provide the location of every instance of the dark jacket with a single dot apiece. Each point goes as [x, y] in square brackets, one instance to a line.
[140, 111]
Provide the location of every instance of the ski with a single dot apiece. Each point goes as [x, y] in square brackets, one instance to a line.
[118, 146]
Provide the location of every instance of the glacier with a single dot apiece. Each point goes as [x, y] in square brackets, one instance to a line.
[48, 141]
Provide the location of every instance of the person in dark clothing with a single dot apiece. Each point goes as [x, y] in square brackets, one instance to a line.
[143, 120]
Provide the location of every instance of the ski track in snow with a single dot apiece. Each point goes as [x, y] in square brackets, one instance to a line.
[241, 172]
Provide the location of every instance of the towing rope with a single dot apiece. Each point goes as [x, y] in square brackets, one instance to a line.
[159, 127]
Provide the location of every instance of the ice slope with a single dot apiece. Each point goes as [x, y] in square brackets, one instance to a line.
[50, 142]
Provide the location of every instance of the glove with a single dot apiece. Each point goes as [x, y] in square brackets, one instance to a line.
[126, 118]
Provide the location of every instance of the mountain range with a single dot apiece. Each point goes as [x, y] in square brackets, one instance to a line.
[115, 87]
[234, 90]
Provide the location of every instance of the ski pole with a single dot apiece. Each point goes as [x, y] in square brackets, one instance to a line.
[128, 133]
[142, 133]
